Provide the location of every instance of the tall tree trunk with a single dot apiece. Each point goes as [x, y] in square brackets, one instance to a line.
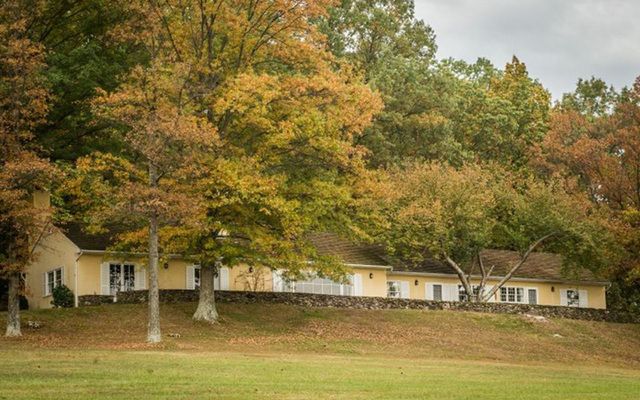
[153, 332]
[206, 310]
[13, 315]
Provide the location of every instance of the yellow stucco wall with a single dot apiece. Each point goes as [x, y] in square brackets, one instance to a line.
[54, 251]
[374, 281]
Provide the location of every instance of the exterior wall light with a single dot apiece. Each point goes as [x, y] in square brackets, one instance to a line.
[166, 265]
[553, 288]
[416, 282]
[371, 275]
[251, 270]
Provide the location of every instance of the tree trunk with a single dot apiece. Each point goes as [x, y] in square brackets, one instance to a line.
[13, 315]
[206, 310]
[153, 332]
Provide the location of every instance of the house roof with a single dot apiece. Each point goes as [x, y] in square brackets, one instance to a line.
[329, 244]
[539, 265]
[88, 241]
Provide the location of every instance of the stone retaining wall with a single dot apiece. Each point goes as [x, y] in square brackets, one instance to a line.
[94, 300]
[380, 303]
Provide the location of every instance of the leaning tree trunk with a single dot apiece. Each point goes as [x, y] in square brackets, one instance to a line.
[13, 315]
[206, 310]
[153, 332]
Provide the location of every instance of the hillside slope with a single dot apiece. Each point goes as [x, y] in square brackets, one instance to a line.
[268, 328]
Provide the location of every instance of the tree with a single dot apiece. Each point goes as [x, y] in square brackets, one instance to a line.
[594, 140]
[395, 53]
[23, 106]
[453, 214]
[163, 136]
[285, 161]
[245, 129]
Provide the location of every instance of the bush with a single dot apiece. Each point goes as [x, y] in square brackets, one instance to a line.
[62, 297]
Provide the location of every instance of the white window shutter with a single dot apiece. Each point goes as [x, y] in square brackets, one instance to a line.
[357, 284]
[584, 298]
[453, 292]
[104, 279]
[404, 289]
[190, 277]
[224, 278]
[277, 281]
[563, 297]
[487, 290]
[428, 291]
[45, 287]
[141, 277]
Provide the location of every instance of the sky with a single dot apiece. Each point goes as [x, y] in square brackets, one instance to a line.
[559, 40]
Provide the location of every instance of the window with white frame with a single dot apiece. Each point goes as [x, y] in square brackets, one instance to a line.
[52, 279]
[394, 289]
[122, 278]
[462, 293]
[196, 277]
[509, 294]
[437, 292]
[318, 285]
[573, 298]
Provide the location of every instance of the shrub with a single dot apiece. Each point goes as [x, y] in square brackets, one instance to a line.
[62, 297]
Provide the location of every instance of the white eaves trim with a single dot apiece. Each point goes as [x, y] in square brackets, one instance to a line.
[387, 267]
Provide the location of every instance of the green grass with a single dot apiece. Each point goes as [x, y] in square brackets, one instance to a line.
[185, 375]
[281, 352]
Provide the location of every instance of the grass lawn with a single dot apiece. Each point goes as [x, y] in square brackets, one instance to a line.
[279, 352]
[74, 374]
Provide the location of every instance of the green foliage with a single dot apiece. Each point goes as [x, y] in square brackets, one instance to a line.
[446, 213]
[592, 98]
[83, 55]
[62, 297]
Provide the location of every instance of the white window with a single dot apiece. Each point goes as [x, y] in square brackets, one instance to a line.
[573, 298]
[393, 289]
[52, 279]
[533, 296]
[462, 293]
[319, 285]
[220, 278]
[122, 278]
[398, 289]
[196, 278]
[437, 292]
[510, 294]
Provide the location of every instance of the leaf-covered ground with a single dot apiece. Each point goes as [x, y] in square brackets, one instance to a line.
[275, 351]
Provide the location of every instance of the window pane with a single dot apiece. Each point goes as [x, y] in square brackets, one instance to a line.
[503, 294]
[437, 292]
[533, 296]
[58, 279]
[196, 278]
[573, 298]
[129, 281]
[393, 289]
[50, 282]
[114, 278]
[519, 295]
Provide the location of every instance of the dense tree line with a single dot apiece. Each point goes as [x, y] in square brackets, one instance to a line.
[227, 131]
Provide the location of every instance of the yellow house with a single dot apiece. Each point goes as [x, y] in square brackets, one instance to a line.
[81, 262]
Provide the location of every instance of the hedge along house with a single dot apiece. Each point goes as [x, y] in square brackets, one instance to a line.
[82, 262]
